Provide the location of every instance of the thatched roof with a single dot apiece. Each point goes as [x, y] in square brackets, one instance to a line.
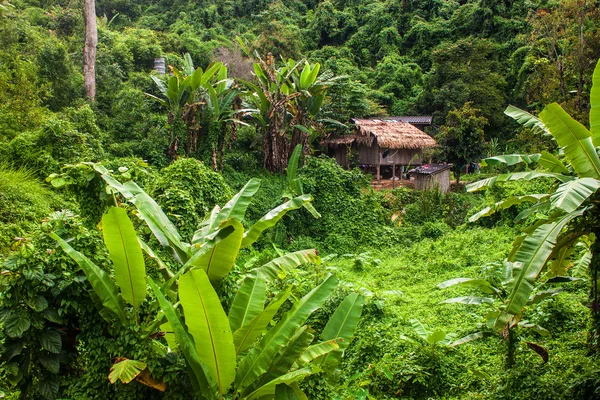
[387, 134]
[413, 119]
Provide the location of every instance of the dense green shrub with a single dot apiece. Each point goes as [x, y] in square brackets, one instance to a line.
[187, 190]
[24, 202]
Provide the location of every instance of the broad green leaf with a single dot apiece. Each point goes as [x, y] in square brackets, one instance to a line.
[526, 119]
[481, 284]
[507, 203]
[103, 286]
[318, 350]
[273, 217]
[342, 325]
[533, 254]
[560, 263]
[570, 195]
[470, 338]
[515, 176]
[126, 254]
[126, 371]
[540, 330]
[287, 263]
[51, 341]
[200, 375]
[285, 359]
[421, 329]
[291, 377]
[48, 388]
[160, 225]
[249, 301]
[470, 300]
[292, 166]
[289, 392]
[552, 163]
[51, 362]
[436, 337]
[237, 206]
[247, 333]
[539, 296]
[17, 323]
[208, 325]
[38, 303]
[581, 265]
[169, 336]
[218, 261]
[256, 362]
[595, 106]
[512, 159]
[575, 140]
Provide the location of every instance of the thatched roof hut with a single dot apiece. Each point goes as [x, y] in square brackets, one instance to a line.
[381, 142]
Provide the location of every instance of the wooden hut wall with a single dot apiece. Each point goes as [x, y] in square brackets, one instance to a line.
[341, 155]
[372, 156]
[441, 180]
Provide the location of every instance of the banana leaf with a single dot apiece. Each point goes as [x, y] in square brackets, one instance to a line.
[470, 300]
[103, 286]
[249, 301]
[162, 267]
[273, 217]
[291, 392]
[287, 263]
[515, 176]
[256, 362]
[533, 254]
[342, 325]
[200, 375]
[527, 120]
[317, 350]
[570, 195]
[289, 378]
[512, 159]
[507, 203]
[247, 333]
[218, 261]
[208, 325]
[483, 285]
[552, 162]
[575, 139]
[126, 254]
[237, 206]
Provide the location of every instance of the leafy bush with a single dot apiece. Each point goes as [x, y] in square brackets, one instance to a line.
[24, 201]
[187, 190]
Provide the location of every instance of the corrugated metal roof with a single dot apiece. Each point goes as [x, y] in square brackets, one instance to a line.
[413, 119]
[430, 169]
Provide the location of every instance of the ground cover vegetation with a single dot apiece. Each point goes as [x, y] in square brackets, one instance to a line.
[184, 235]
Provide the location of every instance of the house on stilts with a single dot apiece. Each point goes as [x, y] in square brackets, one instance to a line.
[384, 147]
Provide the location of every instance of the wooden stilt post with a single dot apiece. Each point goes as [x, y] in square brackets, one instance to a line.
[394, 176]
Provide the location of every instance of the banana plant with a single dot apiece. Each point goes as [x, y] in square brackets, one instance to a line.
[493, 299]
[566, 215]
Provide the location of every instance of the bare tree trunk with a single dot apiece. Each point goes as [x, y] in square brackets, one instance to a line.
[89, 48]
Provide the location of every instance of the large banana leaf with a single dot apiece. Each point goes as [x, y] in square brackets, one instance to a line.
[259, 358]
[160, 225]
[237, 206]
[291, 392]
[595, 106]
[218, 261]
[553, 164]
[287, 263]
[317, 350]
[533, 254]
[289, 378]
[342, 325]
[507, 203]
[103, 286]
[162, 267]
[126, 254]
[247, 333]
[249, 301]
[481, 284]
[515, 176]
[200, 373]
[574, 138]
[273, 217]
[286, 357]
[526, 119]
[512, 159]
[570, 195]
[208, 325]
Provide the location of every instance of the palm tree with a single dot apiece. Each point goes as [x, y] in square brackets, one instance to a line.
[570, 213]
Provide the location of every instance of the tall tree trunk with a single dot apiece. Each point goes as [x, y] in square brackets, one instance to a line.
[89, 48]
